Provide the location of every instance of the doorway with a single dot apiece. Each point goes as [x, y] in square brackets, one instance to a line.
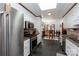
[48, 31]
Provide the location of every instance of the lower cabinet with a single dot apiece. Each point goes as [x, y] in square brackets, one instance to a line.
[26, 47]
[78, 51]
[39, 38]
[60, 40]
[71, 48]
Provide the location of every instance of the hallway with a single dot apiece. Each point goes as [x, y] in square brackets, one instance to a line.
[48, 48]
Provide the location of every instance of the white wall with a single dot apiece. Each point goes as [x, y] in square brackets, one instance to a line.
[29, 17]
[72, 18]
[38, 24]
[57, 23]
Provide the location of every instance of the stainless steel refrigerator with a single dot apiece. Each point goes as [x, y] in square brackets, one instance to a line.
[11, 33]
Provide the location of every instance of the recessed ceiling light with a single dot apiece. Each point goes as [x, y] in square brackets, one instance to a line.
[49, 13]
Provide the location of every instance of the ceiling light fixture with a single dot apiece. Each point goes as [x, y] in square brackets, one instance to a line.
[49, 13]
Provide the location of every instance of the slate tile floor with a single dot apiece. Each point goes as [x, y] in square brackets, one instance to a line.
[48, 48]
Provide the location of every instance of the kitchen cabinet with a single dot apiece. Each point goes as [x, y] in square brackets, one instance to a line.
[39, 39]
[71, 48]
[60, 40]
[78, 51]
[26, 47]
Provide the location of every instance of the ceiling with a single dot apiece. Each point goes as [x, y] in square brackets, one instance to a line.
[59, 12]
[33, 7]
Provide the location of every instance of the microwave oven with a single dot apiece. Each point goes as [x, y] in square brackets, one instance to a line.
[28, 25]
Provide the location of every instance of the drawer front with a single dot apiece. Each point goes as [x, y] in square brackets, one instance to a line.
[28, 44]
[26, 41]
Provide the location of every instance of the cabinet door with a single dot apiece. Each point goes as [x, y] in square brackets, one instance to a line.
[27, 47]
[71, 48]
[67, 47]
[39, 39]
[68, 50]
[74, 50]
[78, 51]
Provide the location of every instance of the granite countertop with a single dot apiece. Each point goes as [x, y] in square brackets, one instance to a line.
[32, 36]
[73, 36]
[73, 39]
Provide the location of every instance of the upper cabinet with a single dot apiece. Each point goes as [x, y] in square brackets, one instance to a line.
[72, 18]
[33, 8]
